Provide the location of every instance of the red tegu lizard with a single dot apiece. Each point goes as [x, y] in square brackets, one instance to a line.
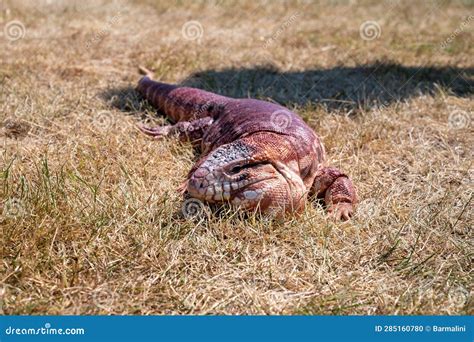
[256, 155]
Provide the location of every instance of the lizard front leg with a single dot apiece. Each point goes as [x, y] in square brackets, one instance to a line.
[185, 130]
[337, 190]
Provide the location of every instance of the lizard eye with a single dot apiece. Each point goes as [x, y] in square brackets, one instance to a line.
[236, 169]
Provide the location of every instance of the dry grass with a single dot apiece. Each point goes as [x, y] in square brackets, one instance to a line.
[91, 221]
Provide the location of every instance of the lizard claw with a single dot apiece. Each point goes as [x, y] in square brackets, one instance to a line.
[158, 131]
[182, 188]
[341, 211]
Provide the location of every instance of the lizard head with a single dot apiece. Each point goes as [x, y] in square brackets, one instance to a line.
[242, 175]
[231, 173]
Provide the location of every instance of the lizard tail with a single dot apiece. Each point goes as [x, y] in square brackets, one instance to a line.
[146, 72]
[158, 94]
[180, 103]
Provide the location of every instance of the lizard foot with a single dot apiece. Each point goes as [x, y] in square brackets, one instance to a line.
[157, 132]
[341, 211]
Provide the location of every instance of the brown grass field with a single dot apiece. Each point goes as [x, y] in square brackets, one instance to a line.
[90, 217]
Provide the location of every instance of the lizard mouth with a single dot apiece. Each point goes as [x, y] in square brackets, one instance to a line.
[224, 185]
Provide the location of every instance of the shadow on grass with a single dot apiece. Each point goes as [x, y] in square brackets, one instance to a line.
[126, 99]
[345, 88]
[340, 87]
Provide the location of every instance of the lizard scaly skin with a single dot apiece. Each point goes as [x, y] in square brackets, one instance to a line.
[256, 155]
